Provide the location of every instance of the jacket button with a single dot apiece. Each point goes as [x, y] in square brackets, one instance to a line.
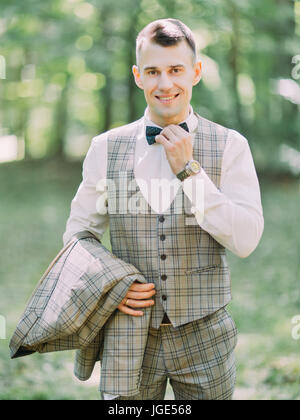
[163, 256]
[164, 297]
[161, 219]
[164, 277]
[162, 237]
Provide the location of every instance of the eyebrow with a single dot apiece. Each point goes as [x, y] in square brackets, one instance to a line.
[155, 68]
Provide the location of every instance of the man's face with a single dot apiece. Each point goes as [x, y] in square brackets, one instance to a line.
[167, 76]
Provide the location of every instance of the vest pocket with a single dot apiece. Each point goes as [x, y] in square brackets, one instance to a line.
[203, 269]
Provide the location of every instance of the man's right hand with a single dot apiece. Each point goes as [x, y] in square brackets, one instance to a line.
[138, 296]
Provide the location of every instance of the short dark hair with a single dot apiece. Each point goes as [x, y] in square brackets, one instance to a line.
[166, 32]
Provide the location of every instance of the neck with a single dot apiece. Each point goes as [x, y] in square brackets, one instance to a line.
[164, 122]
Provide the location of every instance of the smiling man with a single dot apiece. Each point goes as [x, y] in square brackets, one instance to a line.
[177, 238]
[167, 75]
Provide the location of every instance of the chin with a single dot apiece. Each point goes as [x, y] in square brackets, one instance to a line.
[171, 115]
[166, 114]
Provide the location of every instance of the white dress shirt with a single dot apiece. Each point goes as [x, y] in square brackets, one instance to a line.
[232, 215]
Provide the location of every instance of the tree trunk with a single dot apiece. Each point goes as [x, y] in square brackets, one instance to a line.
[233, 60]
[131, 39]
[60, 123]
[106, 94]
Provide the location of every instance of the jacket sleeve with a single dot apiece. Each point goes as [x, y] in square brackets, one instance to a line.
[75, 299]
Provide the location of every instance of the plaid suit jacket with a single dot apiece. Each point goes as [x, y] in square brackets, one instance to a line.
[74, 308]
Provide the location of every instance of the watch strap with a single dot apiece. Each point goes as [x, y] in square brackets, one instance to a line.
[183, 175]
[186, 172]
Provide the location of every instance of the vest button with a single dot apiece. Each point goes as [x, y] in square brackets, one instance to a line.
[163, 256]
[162, 237]
[164, 277]
[164, 297]
[161, 219]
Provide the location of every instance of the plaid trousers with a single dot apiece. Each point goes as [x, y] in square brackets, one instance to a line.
[198, 358]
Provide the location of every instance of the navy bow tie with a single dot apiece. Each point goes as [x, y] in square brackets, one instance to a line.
[151, 132]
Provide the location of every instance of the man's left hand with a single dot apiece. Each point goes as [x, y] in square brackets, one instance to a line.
[178, 146]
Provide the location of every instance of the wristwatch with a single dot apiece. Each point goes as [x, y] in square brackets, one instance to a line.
[192, 167]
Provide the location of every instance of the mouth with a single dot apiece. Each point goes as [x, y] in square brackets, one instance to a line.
[167, 99]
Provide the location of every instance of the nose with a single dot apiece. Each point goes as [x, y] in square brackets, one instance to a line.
[164, 81]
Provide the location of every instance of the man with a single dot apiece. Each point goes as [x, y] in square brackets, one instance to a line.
[190, 190]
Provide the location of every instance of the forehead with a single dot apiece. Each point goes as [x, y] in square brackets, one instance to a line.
[155, 55]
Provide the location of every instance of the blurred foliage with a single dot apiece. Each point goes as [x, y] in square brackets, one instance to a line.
[65, 76]
[68, 69]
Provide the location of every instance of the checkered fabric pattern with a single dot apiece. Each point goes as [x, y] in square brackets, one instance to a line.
[189, 267]
[197, 358]
[74, 307]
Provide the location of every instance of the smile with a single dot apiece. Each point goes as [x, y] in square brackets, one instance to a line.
[167, 99]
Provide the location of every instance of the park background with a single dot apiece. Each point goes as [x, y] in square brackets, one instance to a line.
[65, 76]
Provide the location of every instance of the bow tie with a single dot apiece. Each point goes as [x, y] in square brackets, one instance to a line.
[151, 132]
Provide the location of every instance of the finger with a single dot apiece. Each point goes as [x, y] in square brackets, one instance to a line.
[126, 310]
[172, 136]
[141, 287]
[124, 301]
[140, 295]
[139, 303]
[179, 131]
[162, 140]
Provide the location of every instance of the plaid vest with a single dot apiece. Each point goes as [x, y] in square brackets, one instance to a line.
[186, 264]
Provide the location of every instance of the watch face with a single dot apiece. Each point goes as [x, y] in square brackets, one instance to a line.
[195, 166]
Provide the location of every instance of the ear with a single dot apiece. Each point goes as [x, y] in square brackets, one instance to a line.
[137, 76]
[198, 72]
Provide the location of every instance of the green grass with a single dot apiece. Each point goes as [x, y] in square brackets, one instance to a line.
[35, 204]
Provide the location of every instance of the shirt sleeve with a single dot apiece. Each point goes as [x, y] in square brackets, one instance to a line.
[233, 214]
[89, 206]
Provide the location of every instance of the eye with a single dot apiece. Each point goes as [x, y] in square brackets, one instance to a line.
[152, 72]
[176, 70]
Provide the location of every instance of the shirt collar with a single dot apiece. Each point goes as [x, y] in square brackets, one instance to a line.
[191, 120]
